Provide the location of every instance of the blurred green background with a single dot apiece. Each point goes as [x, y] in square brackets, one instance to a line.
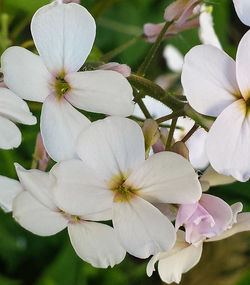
[28, 259]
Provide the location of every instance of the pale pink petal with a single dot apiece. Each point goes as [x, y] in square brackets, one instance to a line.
[35, 217]
[96, 243]
[242, 65]
[185, 212]
[209, 80]
[242, 8]
[38, 184]
[123, 69]
[166, 177]
[64, 35]
[14, 108]
[10, 136]
[25, 74]
[79, 190]
[142, 229]
[100, 91]
[61, 124]
[228, 142]
[9, 189]
[115, 146]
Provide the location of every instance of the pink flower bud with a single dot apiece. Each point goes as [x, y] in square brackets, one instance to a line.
[205, 219]
[41, 155]
[124, 69]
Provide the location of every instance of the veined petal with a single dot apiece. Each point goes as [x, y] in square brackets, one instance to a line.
[78, 190]
[25, 74]
[242, 8]
[9, 189]
[35, 217]
[10, 136]
[180, 259]
[242, 225]
[38, 184]
[14, 108]
[242, 64]
[60, 126]
[228, 142]
[166, 177]
[64, 35]
[96, 243]
[142, 229]
[209, 80]
[101, 91]
[115, 146]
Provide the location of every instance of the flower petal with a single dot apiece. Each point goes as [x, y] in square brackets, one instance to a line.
[9, 189]
[25, 74]
[10, 136]
[96, 243]
[173, 57]
[142, 229]
[209, 80]
[242, 225]
[101, 91]
[242, 65]
[60, 126]
[38, 184]
[166, 177]
[14, 108]
[242, 8]
[228, 142]
[64, 35]
[78, 190]
[35, 217]
[115, 146]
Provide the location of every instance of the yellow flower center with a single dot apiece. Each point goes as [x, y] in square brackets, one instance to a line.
[61, 86]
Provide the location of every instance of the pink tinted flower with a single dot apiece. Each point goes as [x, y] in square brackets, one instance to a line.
[123, 69]
[205, 219]
[41, 154]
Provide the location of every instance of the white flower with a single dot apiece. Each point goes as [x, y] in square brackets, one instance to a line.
[242, 8]
[217, 86]
[35, 210]
[64, 35]
[114, 175]
[12, 108]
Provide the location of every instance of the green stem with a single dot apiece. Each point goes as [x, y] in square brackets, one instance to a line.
[4, 35]
[171, 134]
[190, 133]
[150, 56]
[106, 57]
[141, 104]
[171, 116]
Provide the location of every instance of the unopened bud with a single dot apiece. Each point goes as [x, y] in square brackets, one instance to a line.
[124, 69]
[180, 148]
[151, 134]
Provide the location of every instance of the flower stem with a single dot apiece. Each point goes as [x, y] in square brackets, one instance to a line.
[171, 116]
[141, 104]
[190, 133]
[171, 134]
[150, 56]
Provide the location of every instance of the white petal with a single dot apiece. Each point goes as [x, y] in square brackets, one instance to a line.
[101, 91]
[105, 215]
[64, 35]
[96, 243]
[35, 217]
[242, 8]
[214, 178]
[228, 142]
[142, 229]
[242, 225]
[242, 65]
[9, 188]
[209, 80]
[115, 145]
[173, 57]
[38, 184]
[25, 74]
[60, 126]
[179, 260]
[78, 190]
[14, 108]
[10, 135]
[166, 177]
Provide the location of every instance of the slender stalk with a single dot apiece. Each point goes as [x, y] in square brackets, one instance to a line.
[171, 134]
[150, 56]
[27, 44]
[171, 116]
[106, 57]
[190, 133]
[141, 104]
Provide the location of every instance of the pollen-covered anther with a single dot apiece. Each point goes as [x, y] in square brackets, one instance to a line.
[61, 87]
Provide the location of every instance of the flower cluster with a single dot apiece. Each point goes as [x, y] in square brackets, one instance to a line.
[117, 184]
